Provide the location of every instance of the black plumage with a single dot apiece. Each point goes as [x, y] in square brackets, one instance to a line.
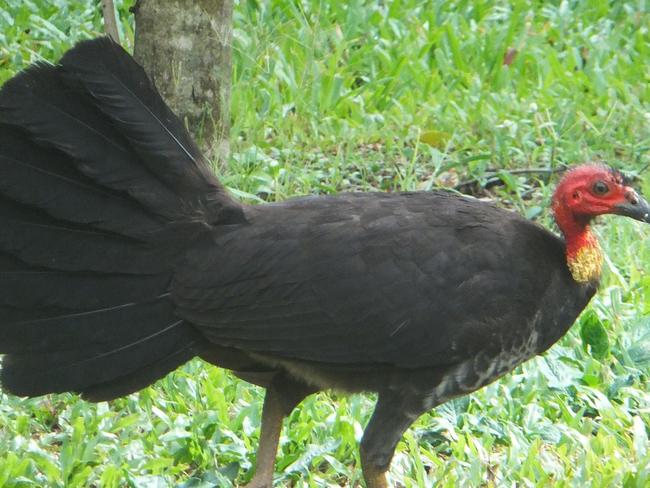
[289, 286]
[122, 257]
[90, 232]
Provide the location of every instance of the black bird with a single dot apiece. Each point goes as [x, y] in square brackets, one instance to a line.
[122, 257]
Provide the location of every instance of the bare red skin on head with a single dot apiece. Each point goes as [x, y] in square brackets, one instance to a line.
[576, 203]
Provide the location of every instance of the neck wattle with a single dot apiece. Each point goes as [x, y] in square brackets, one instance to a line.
[583, 254]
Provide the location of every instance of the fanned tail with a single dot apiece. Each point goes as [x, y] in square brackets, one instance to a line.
[101, 189]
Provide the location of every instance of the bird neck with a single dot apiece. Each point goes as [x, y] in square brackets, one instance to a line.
[583, 254]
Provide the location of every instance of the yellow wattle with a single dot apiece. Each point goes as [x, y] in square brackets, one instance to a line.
[586, 263]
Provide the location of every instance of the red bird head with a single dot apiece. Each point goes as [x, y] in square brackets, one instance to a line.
[584, 193]
[591, 190]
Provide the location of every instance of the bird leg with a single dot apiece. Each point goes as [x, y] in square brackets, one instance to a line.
[392, 416]
[282, 395]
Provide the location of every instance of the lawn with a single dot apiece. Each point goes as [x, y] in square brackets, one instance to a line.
[486, 96]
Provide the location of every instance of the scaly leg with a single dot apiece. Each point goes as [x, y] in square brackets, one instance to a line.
[394, 413]
[282, 396]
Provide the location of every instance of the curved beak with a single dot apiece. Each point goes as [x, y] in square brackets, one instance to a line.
[635, 207]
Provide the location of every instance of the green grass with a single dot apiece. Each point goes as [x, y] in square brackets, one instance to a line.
[334, 96]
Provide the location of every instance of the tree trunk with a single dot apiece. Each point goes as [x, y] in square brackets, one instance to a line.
[110, 22]
[185, 46]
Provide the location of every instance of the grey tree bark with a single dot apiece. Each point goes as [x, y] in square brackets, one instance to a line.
[110, 22]
[185, 46]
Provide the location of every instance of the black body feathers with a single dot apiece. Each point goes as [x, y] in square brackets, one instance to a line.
[121, 257]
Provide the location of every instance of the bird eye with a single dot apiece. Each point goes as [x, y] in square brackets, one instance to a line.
[600, 188]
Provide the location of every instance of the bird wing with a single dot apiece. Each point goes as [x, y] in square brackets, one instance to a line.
[410, 280]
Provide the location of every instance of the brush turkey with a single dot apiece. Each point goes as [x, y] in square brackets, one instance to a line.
[122, 257]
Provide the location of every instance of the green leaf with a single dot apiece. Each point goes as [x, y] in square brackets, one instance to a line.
[639, 352]
[435, 138]
[594, 336]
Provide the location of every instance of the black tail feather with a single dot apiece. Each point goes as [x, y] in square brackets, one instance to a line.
[41, 240]
[58, 116]
[30, 287]
[101, 189]
[59, 189]
[80, 370]
[123, 385]
[124, 93]
[51, 330]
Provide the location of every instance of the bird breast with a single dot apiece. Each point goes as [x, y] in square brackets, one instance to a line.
[484, 368]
